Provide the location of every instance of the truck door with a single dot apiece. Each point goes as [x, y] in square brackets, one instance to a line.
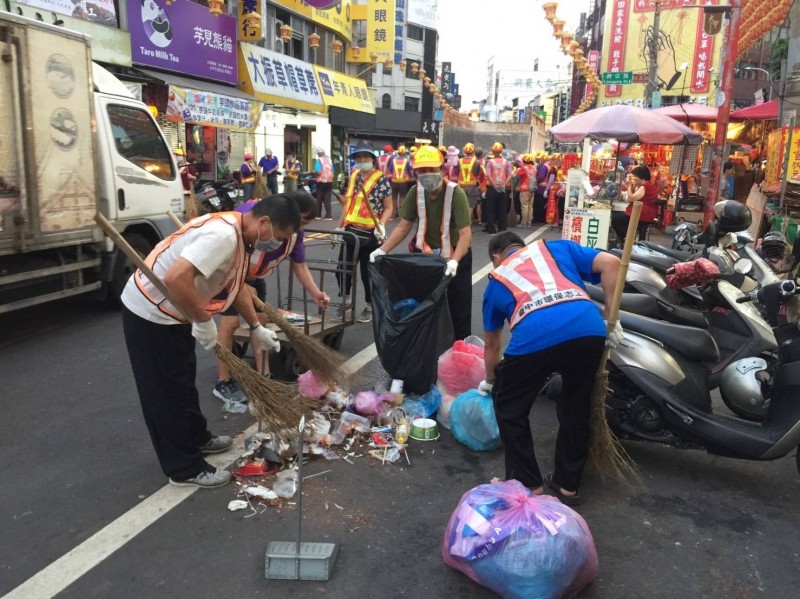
[139, 175]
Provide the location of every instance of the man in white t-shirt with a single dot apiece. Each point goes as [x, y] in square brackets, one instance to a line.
[207, 255]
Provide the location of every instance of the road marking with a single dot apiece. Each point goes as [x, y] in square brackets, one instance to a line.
[61, 573]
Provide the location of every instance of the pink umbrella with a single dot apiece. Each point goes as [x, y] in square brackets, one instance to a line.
[689, 112]
[625, 123]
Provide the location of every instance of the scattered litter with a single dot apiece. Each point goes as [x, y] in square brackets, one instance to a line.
[338, 506]
[317, 474]
[237, 504]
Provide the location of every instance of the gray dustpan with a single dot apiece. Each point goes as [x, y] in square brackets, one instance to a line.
[293, 560]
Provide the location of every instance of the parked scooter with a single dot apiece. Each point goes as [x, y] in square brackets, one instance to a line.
[217, 196]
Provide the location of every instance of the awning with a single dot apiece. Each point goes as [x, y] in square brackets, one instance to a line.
[197, 84]
[768, 111]
[344, 91]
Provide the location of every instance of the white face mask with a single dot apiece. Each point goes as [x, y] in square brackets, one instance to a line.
[430, 181]
[364, 166]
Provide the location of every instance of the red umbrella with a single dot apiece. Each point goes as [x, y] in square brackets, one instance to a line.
[624, 123]
[689, 112]
[768, 111]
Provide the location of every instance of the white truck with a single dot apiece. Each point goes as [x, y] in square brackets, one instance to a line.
[74, 141]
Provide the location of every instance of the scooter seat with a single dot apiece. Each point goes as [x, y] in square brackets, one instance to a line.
[679, 255]
[695, 344]
[657, 263]
[659, 307]
[636, 303]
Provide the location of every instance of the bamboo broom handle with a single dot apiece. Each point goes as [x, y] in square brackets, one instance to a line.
[613, 314]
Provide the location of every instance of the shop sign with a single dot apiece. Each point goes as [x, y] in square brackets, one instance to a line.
[422, 12]
[250, 21]
[380, 30]
[587, 227]
[183, 37]
[344, 91]
[206, 108]
[101, 12]
[279, 79]
[703, 55]
[618, 38]
[333, 15]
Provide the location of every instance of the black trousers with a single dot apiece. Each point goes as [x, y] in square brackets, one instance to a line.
[164, 367]
[272, 184]
[346, 253]
[459, 298]
[518, 380]
[539, 206]
[323, 193]
[495, 210]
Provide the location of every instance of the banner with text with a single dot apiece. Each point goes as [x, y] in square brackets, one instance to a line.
[422, 12]
[344, 91]
[205, 108]
[587, 227]
[102, 12]
[380, 31]
[331, 15]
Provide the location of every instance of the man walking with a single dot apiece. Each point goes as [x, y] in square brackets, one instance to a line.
[498, 175]
[269, 168]
[399, 168]
[323, 167]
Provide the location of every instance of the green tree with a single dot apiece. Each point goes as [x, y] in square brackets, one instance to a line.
[780, 51]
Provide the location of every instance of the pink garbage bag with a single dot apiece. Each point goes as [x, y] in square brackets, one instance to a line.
[520, 545]
[461, 368]
[370, 403]
[308, 385]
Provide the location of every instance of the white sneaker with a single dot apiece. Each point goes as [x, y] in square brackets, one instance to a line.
[207, 479]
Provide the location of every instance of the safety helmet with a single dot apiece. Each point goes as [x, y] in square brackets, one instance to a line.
[469, 148]
[248, 155]
[413, 150]
[744, 387]
[364, 149]
[497, 148]
[401, 150]
[388, 148]
[179, 152]
[427, 156]
[527, 158]
[732, 216]
[773, 245]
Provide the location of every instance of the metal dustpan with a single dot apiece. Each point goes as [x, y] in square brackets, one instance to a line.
[293, 560]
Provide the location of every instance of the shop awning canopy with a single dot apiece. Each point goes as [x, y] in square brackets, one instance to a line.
[624, 123]
[768, 111]
[689, 112]
[196, 84]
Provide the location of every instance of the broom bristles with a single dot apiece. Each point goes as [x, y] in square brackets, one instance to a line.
[325, 362]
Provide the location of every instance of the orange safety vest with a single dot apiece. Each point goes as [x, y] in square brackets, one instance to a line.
[465, 166]
[383, 164]
[233, 280]
[444, 227]
[292, 169]
[498, 173]
[400, 173]
[535, 280]
[358, 211]
[325, 175]
[251, 177]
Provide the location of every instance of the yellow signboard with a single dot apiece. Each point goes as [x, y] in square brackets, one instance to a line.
[687, 56]
[336, 18]
[380, 30]
[344, 91]
[250, 21]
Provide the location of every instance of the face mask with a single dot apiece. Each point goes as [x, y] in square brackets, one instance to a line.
[364, 166]
[430, 181]
[267, 245]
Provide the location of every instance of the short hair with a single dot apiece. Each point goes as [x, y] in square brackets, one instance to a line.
[642, 172]
[281, 210]
[501, 241]
[306, 203]
[727, 166]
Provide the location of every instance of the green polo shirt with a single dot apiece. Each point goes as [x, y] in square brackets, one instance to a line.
[434, 206]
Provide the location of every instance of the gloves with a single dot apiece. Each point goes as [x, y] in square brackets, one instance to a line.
[376, 254]
[483, 195]
[485, 388]
[452, 267]
[265, 338]
[336, 236]
[380, 232]
[615, 336]
[205, 333]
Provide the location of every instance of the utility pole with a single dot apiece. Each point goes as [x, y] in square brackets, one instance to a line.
[652, 77]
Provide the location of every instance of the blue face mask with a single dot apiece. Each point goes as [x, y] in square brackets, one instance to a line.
[267, 245]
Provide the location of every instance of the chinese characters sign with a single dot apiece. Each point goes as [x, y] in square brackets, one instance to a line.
[204, 108]
[704, 52]
[618, 37]
[331, 15]
[250, 21]
[587, 227]
[344, 91]
[183, 37]
[380, 17]
[280, 79]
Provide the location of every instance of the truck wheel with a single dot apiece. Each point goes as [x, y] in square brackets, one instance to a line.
[123, 267]
[293, 367]
[334, 340]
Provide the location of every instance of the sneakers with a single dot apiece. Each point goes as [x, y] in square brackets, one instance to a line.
[341, 311]
[229, 390]
[217, 444]
[366, 315]
[207, 479]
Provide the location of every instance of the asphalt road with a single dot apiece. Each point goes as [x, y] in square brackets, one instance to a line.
[86, 512]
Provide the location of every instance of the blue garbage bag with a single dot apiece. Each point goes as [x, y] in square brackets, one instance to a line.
[422, 406]
[472, 421]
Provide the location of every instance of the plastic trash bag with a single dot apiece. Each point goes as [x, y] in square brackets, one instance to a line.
[473, 423]
[443, 415]
[308, 385]
[409, 346]
[370, 403]
[461, 367]
[518, 544]
[406, 307]
[422, 406]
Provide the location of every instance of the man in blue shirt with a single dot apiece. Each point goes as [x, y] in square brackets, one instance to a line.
[269, 167]
[555, 327]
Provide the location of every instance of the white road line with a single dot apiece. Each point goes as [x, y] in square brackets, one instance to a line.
[57, 576]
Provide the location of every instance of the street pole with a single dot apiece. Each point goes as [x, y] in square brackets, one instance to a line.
[723, 106]
[652, 84]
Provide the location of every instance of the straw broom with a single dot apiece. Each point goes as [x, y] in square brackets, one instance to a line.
[277, 406]
[606, 454]
[325, 362]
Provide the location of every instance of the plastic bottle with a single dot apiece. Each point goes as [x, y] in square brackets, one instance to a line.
[234, 407]
[401, 432]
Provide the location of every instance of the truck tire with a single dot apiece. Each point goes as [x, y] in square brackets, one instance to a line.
[123, 267]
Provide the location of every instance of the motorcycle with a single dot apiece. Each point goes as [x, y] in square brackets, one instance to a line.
[216, 196]
[308, 182]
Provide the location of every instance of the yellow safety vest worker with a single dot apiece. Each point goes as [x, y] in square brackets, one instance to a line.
[357, 211]
[400, 172]
[465, 167]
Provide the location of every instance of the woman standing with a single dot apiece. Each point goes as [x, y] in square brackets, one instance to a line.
[642, 189]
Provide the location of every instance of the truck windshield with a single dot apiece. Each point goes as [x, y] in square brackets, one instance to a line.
[138, 140]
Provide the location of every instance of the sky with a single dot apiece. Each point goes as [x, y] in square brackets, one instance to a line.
[468, 39]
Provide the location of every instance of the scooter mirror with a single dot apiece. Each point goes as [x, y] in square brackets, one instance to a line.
[744, 266]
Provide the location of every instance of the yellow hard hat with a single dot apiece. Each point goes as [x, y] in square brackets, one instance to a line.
[401, 150]
[469, 148]
[427, 156]
[179, 152]
[497, 148]
[413, 150]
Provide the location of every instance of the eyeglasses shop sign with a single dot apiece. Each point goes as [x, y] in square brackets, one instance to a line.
[183, 37]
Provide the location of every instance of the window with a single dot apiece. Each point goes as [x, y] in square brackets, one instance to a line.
[386, 101]
[414, 32]
[412, 104]
[138, 140]
[409, 73]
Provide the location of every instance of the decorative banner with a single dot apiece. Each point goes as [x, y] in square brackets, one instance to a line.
[587, 227]
[279, 79]
[101, 12]
[344, 91]
[334, 15]
[380, 31]
[447, 68]
[205, 108]
[649, 5]
[183, 37]
[250, 21]
[593, 61]
[422, 12]
[616, 49]
[704, 52]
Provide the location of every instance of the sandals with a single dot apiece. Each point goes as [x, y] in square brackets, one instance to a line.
[570, 500]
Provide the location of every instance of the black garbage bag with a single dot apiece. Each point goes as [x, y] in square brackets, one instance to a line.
[409, 347]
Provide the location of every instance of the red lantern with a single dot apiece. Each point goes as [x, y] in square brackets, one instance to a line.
[550, 10]
[215, 7]
[336, 46]
[356, 52]
[313, 40]
[558, 27]
[286, 32]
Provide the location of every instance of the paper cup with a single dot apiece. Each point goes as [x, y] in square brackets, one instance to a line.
[424, 429]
